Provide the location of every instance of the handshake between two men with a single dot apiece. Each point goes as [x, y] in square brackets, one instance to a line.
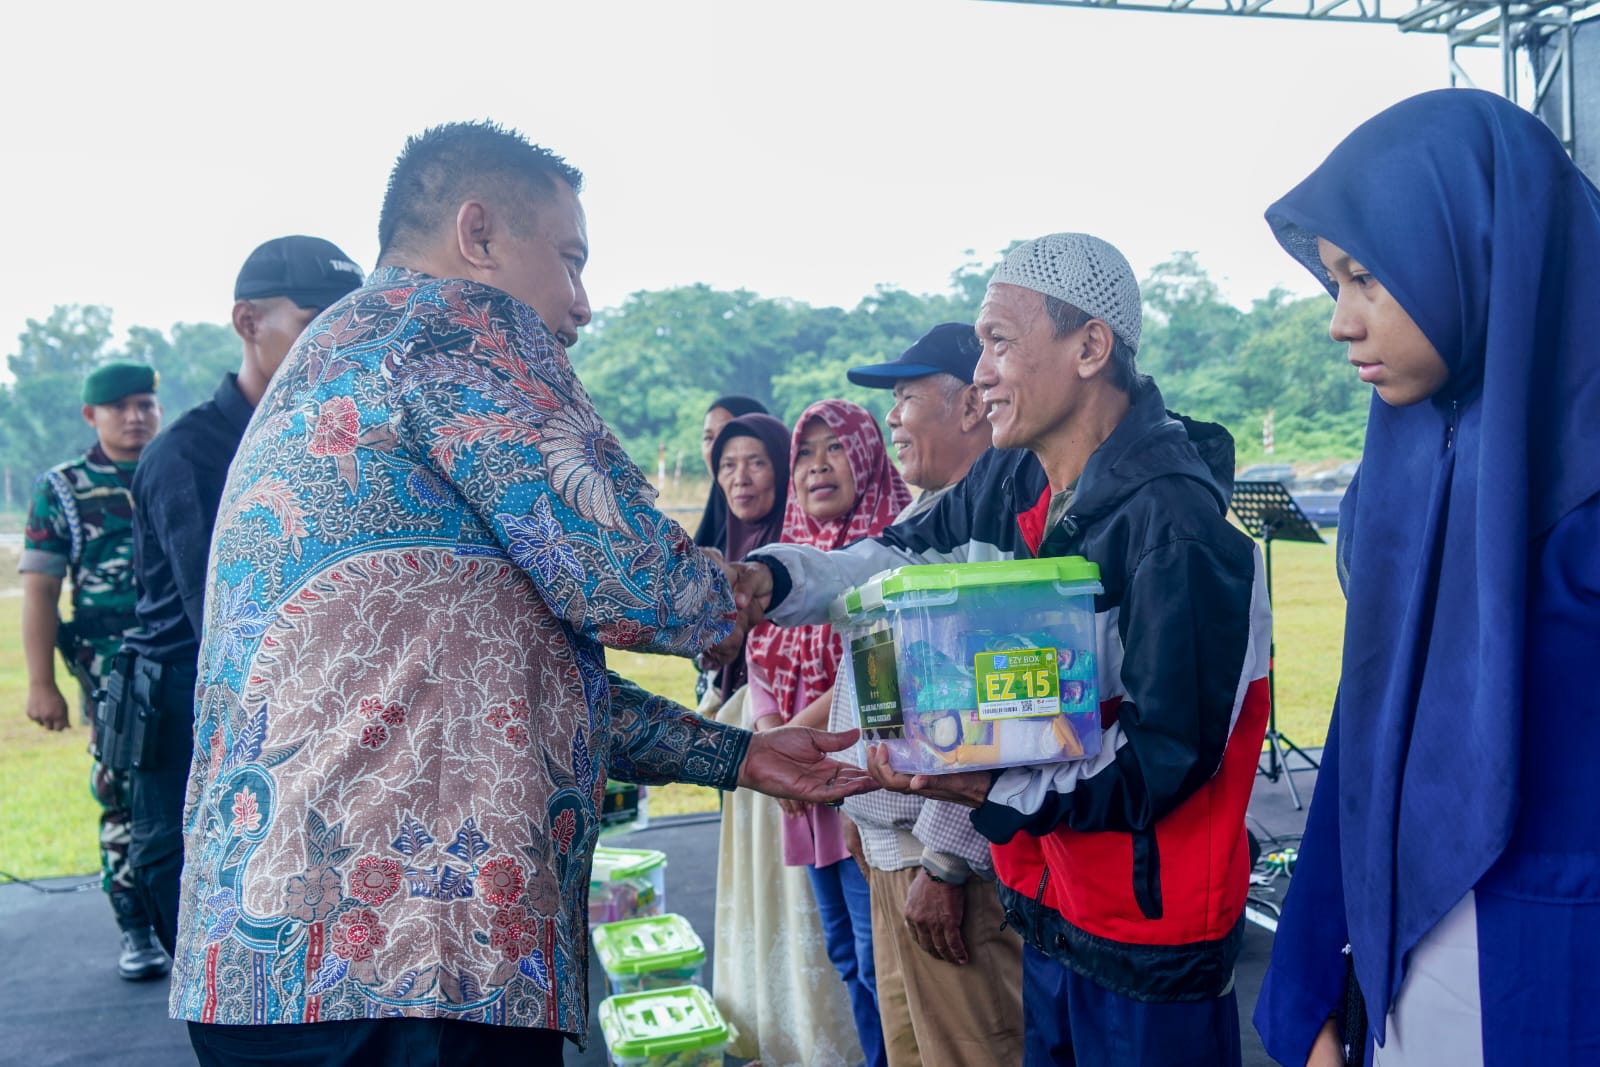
[792, 761]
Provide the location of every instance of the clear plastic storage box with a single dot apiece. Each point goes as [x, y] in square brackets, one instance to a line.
[968, 666]
[654, 953]
[627, 883]
[677, 1027]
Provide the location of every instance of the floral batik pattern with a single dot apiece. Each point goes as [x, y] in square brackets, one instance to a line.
[404, 722]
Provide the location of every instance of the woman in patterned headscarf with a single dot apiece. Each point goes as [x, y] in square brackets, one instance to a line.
[842, 488]
[1452, 849]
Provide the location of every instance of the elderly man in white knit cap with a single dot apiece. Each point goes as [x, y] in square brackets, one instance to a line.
[1125, 873]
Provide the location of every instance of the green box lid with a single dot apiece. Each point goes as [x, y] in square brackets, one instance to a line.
[653, 1023]
[615, 864]
[656, 943]
[944, 577]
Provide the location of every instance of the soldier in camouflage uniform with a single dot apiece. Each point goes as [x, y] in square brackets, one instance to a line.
[81, 524]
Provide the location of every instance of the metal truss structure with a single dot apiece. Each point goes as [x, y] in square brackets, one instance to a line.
[1533, 37]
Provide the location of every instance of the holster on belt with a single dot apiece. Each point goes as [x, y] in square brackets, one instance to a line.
[113, 715]
[127, 712]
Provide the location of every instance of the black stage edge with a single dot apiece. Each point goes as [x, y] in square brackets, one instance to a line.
[67, 1007]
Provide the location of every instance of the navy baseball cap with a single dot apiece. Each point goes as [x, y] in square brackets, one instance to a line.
[308, 270]
[948, 348]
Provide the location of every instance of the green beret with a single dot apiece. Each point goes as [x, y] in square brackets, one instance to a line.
[112, 382]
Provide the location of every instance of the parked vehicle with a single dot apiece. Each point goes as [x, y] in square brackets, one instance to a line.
[1322, 508]
[1338, 478]
[1268, 472]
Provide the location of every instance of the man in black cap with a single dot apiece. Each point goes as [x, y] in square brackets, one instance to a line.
[283, 285]
[938, 424]
[80, 526]
[949, 972]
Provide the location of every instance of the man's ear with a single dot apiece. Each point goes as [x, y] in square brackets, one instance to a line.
[473, 232]
[1094, 350]
[972, 413]
[246, 320]
[88, 415]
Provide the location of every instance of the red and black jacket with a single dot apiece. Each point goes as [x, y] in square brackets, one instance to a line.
[1131, 867]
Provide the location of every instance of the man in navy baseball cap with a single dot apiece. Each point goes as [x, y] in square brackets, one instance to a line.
[938, 424]
[308, 270]
[283, 285]
[949, 348]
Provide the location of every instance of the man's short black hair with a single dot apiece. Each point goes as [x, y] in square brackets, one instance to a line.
[1066, 319]
[446, 165]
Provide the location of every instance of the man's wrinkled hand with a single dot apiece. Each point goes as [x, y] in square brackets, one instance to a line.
[967, 788]
[933, 915]
[47, 707]
[794, 762]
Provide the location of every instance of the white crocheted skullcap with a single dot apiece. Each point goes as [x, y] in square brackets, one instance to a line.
[1083, 270]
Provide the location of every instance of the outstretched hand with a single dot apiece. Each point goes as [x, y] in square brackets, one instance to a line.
[793, 762]
[967, 788]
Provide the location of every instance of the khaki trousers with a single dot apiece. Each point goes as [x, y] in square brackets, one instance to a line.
[939, 1014]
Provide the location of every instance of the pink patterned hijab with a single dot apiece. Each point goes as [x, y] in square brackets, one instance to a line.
[800, 662]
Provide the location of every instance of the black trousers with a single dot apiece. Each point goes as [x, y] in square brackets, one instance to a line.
[376, 1043]
[157, 788]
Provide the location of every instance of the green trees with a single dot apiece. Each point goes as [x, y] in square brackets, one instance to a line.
[1216, 362]
[40, 419]
[654, 363]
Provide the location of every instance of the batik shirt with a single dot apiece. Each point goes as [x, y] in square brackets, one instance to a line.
[404, 722]
[80, 525]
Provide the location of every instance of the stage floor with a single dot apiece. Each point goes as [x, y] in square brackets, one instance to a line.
[68, 1007]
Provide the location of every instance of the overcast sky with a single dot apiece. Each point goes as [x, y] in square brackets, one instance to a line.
[811, 149]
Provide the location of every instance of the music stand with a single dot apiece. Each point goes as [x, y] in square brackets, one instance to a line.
[1266, 510]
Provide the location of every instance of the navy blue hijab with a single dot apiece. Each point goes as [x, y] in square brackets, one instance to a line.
[1469, 212]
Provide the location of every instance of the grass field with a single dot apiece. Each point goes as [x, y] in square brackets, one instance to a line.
[48, 819]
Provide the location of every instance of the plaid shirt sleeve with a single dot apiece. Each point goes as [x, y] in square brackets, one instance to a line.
[950, 843]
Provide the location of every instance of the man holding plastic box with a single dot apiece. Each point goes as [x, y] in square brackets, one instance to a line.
[1125, 873]
[949, 971]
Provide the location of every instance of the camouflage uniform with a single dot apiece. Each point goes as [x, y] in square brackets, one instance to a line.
[81, 527]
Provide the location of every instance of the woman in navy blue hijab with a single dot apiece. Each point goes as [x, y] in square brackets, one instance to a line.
[1453, 840]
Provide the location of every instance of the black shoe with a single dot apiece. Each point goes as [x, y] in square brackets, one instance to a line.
[142, 957]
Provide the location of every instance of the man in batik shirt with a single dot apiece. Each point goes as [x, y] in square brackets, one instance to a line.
[81, 526]
[404, 721]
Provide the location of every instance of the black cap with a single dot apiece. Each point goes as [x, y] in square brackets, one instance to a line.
[948, 348]
[308, 270]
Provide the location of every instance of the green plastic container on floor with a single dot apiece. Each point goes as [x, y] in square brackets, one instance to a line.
[627, 883]
[679, 1027]
[653, 953]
